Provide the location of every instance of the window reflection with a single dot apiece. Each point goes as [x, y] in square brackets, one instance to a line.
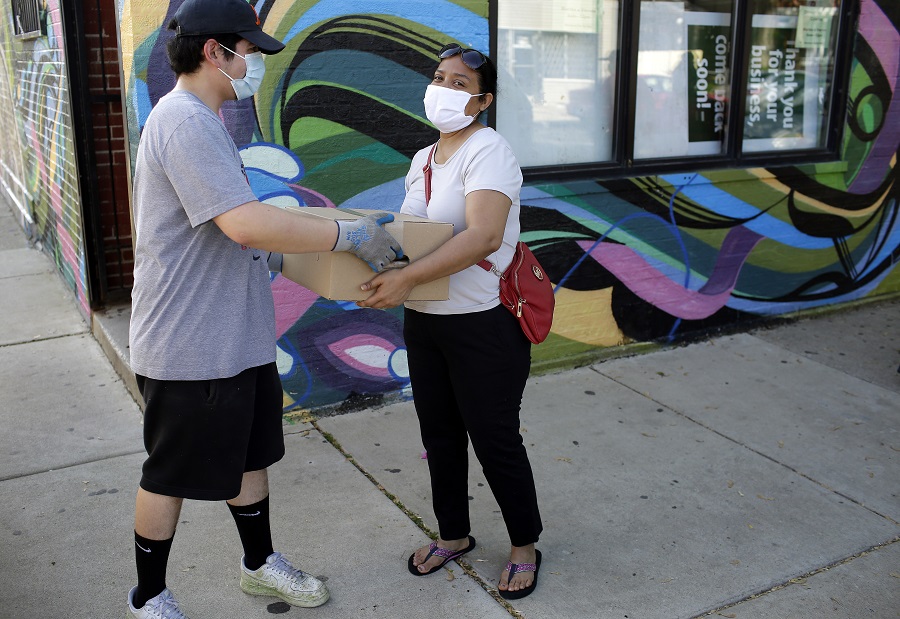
[557, 73]
[558, 63]
[683, 78]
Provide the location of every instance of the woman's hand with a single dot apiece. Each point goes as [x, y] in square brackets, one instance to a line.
[486, 214]
[389, 289]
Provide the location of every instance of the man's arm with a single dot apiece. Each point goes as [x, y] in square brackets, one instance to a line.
[270, 228]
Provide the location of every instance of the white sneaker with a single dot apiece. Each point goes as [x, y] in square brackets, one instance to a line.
[163, 606]
[278, 578]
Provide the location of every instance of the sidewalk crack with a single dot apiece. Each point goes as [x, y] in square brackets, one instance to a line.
[796, 580]
[416, 519]
[63, 467]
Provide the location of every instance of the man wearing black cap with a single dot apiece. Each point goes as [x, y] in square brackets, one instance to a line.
[202, 337]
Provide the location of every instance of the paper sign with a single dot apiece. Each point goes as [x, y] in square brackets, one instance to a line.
[708, 82]
[776, 84]
[814, 26]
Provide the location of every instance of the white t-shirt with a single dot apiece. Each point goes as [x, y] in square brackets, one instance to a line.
[484, 161]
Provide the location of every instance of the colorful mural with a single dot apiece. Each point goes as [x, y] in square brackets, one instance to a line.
[340, 115]
[42, 114]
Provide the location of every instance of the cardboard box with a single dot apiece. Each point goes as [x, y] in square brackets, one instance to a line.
[338, 275]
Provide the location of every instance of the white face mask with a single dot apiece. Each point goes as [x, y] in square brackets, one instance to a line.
[247, 86]
[446, 108]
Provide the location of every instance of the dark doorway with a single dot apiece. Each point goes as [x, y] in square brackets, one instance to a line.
[95, 77]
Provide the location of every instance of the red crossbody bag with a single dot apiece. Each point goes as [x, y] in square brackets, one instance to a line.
[525, 289]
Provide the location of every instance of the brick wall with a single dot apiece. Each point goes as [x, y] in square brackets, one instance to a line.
[111, 158]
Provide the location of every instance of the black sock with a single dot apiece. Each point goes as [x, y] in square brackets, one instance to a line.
[151, 557]
[256, 535]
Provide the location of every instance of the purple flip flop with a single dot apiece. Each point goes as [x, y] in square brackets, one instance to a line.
[515, 568]
[448, 555]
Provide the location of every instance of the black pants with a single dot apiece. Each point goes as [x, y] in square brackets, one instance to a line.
[468, 372]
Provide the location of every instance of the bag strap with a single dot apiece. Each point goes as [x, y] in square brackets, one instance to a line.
[426, 170]
[490, 268]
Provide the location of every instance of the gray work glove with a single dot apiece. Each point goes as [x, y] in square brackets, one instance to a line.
[368, 240]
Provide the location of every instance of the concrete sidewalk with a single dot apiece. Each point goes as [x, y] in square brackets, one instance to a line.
[747, 476]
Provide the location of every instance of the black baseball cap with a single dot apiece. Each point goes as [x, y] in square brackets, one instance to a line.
[199, 17]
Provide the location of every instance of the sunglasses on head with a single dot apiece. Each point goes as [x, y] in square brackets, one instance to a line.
[472, 58]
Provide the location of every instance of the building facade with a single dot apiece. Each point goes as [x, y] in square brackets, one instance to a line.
[689, 165]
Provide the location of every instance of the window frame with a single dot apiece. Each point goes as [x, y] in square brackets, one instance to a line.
[623, 165]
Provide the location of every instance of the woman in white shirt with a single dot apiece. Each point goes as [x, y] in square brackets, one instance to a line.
[468, 357]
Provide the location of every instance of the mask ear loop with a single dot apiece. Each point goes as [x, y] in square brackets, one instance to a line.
[478, 113]
[219, 45]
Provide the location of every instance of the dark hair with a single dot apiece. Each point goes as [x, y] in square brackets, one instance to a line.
[185, 53]
[487, 73]
[487, 77]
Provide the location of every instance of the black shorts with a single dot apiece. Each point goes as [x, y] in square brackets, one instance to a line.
[201, 436]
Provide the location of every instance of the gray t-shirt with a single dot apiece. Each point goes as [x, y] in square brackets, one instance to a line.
[201, 305]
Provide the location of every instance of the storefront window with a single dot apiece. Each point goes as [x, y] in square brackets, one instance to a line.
[557, 79]
[683, 79]
[608, 86]
[790, 74]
